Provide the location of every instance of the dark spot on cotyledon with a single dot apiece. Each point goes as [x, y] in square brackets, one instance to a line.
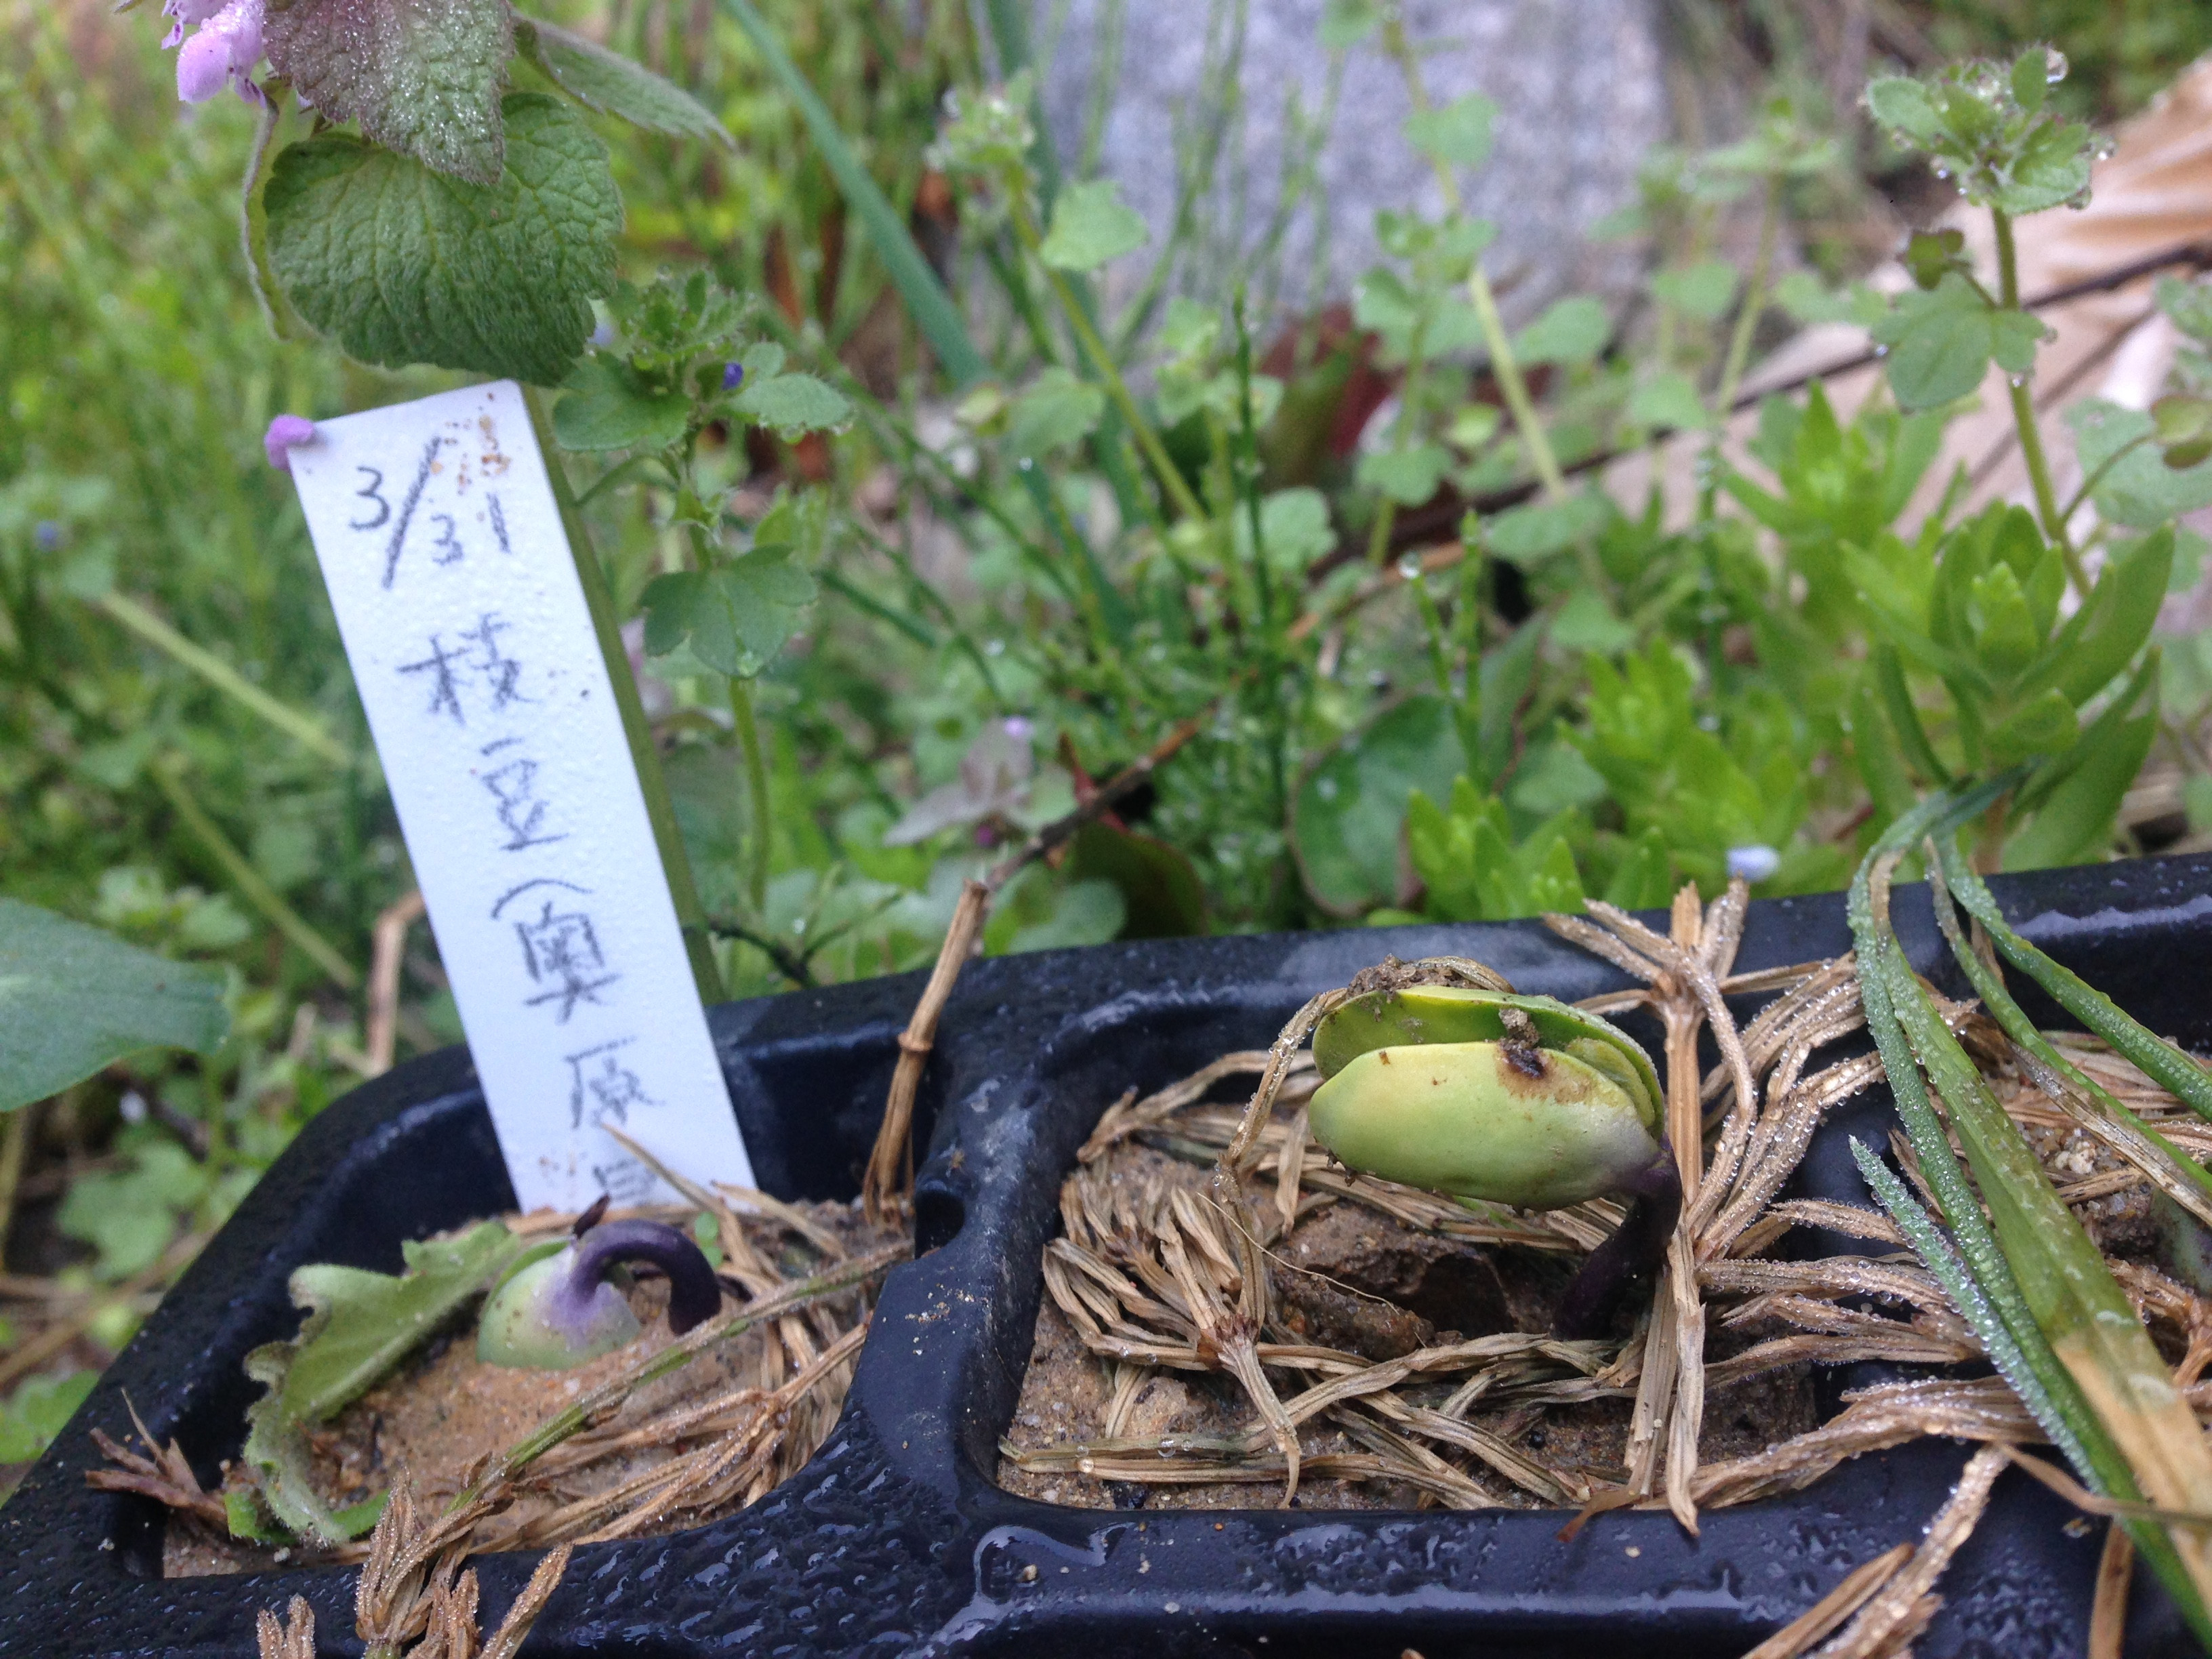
[1529, 1062]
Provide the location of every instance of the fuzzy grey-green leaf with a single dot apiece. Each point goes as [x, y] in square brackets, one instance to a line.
[607, 408]
[405, 265]
[793, 403]
[735, 616]
[422, 76]
[613, 85]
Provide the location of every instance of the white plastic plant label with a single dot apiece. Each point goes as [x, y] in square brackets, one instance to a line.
[488, 699]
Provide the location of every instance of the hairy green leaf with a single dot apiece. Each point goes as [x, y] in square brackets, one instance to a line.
[735, 616]
[1939, 343]
[1903, 105]
[1458, 134]
[2189, 305]
[360, 1324]
[615, 85]
[405, 265]
[1704, 290]
[1670, 398]
[1348, 811]
[608, 407]
[1409, 475]
[72, 999]
[1091, 226]
[2134, 486]
[1541, 529]
[422, 76]
[794, 405]
[1055, 411]
[1571, 331]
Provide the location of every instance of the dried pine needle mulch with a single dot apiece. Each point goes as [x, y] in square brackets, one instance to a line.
[1400, 1342]
[703, 1441]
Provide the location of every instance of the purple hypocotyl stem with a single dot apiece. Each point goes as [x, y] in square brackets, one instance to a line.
[1633, 1250]
[694, 1294]
[284, 433]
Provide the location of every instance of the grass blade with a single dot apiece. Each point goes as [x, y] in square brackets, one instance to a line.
[2083, 1343]
[1936, 1253]
[2179, 1176]
[2157, 1059]
[925, 297]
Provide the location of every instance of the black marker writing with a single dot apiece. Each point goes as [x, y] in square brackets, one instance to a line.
[407, 511]
[369, 492]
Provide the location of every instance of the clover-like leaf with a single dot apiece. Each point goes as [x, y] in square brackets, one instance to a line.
[608, 407]
[1295, 525]
[1930, 255]
[615, 85]
[1939, 343]
[1348, 815]
[794, 405]
[422, 76]
[1090, 226]
[1670, 399]
[1409, 475]
[1571, 331]
[1803, 296]
[72, 999]
[405, 265]
[2135, 485]
[1457, 135]
[736, 615]
[2189, 305]
[2053, 166]
[1055, 411]
[1703, 290]
[1526, 534]
[1903, 105]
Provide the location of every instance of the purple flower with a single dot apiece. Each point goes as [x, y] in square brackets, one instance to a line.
[225, 48]
[733, 376]
[285, 432]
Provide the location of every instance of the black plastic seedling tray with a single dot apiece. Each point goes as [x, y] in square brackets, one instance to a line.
[893, 1540]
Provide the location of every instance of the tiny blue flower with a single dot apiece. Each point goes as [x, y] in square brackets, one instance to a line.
[733, 376]
[47, 535]
[1754, 863]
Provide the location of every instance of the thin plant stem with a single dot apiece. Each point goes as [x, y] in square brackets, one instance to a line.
[167, 772]
[645, 757]
[1402, 433]
[1754, 305]
[1518, 404]
[1176, 486]
[2023, 413]
[2097, 476]
[303, 729]
[749, 739]
[1503, 363]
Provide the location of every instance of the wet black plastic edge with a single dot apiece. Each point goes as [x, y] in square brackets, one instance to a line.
[901, 1543]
